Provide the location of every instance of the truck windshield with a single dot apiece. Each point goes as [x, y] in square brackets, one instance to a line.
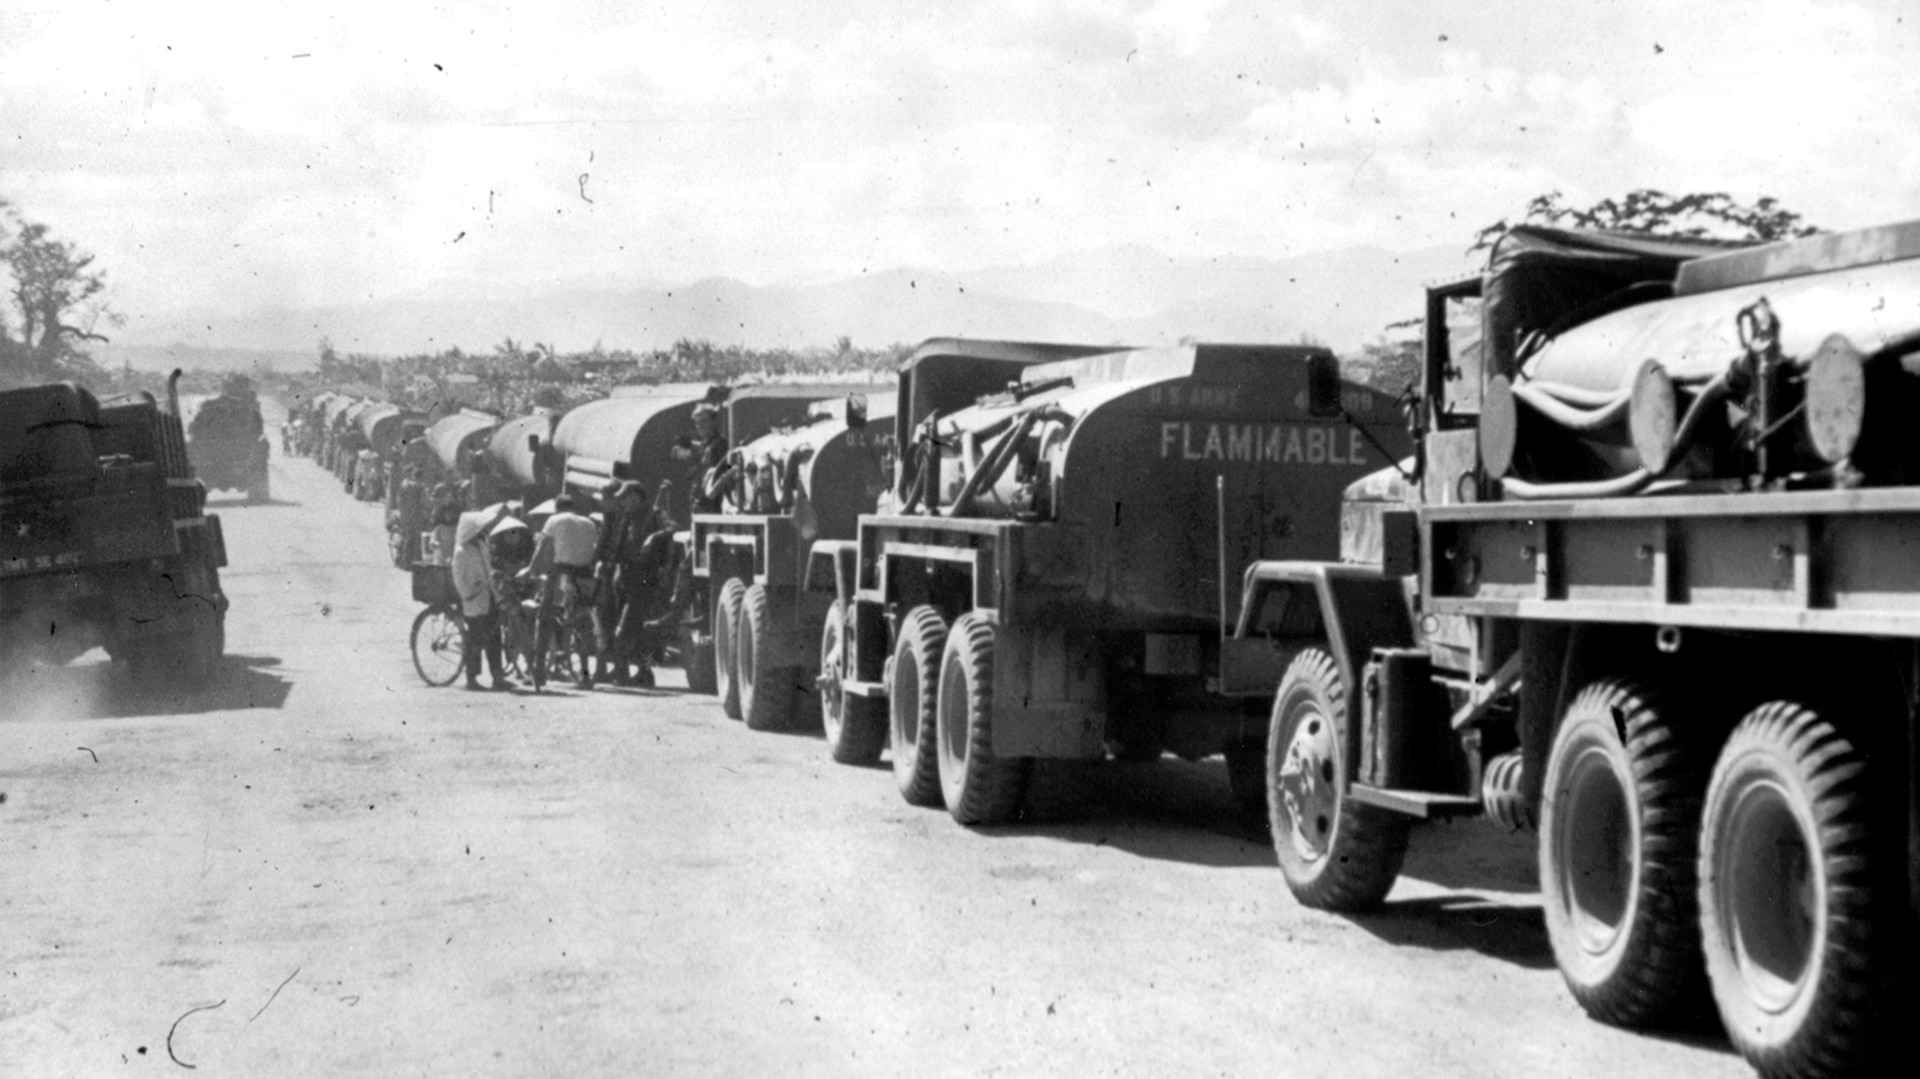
[1461, 366]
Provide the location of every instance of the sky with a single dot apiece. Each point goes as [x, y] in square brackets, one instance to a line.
[232, 156]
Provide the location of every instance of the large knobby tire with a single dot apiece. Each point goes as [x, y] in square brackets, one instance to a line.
[767, 696]
[855, 726]
[1335, 853]
[980, 786]
[913, 702]
[1798, 948]
[726, 627]
[1619, 826]
[438, 641]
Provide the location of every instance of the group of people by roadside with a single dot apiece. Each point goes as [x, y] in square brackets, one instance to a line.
[618, 570]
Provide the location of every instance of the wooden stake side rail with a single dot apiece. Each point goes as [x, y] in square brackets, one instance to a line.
[1842, 562]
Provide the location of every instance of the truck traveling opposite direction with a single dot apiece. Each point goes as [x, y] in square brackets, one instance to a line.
[107, 542]
[1650, 590]
[226, 441]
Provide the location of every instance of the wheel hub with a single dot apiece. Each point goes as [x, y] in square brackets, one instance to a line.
[1595, 838]
[1307, 786]
[1767, 900]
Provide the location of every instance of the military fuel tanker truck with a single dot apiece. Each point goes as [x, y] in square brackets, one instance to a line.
[791, 498]
[1051, 577]
[1654, 590]
[104, 536]
[519, 463]
[630, 436]
[226, 441]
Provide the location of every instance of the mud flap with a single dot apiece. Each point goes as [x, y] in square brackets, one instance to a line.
[1049, 697]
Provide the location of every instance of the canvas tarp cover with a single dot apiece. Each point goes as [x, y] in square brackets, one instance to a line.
[1542, 279]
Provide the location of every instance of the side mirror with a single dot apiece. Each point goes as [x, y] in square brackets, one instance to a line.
[1323, 386]
[856, 410]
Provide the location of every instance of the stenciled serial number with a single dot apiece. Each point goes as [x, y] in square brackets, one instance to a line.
[38, 562]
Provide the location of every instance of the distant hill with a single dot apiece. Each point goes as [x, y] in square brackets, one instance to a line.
[1123, 294]
[199, 357]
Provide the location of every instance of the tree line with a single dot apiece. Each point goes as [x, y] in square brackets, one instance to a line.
[55, 306]
[514, 376]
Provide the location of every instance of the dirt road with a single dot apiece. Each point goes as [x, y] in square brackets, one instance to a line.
[323, 867]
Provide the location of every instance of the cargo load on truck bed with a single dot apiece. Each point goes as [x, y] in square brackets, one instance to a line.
[104, 539]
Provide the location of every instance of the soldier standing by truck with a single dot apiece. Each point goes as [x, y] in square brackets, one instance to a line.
[705, 451]
[618, 560]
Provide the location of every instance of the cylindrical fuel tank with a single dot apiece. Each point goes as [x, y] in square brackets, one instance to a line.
[632, 435]
[455, 438]
[381, 424]
[1616, 393]
[1163, 465]
[514, 468]
[842, 470]
[948, 373]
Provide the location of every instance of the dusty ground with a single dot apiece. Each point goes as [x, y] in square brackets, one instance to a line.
[322, 867]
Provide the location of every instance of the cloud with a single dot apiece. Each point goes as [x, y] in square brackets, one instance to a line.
[228, 156]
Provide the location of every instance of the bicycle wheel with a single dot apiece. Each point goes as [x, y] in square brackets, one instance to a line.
[511, 649]
[438, 639]
[559, 665]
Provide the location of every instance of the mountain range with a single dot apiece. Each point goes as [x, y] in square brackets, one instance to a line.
[1119, 294]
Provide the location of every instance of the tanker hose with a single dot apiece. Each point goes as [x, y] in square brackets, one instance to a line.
[1502, 793]
[1569, 394]
[1571, 415]
[995, 463]
[1001, 456]
[1713, 393]
[916, 490]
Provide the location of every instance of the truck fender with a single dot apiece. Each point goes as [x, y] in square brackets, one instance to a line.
[831, 567]
[1288, 606]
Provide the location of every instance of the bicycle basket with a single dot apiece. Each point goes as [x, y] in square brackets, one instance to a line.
[434, 584]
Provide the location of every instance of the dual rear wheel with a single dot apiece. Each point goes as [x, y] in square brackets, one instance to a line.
[1753, 877]
[746, 676]
[1799, 915]
[941, 707]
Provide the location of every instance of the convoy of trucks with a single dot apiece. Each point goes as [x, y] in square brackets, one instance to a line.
[1634, 568]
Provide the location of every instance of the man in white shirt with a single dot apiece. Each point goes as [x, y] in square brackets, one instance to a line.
[564, 553]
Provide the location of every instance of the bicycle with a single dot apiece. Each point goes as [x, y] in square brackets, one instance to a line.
[560, 631]
[438, 640]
